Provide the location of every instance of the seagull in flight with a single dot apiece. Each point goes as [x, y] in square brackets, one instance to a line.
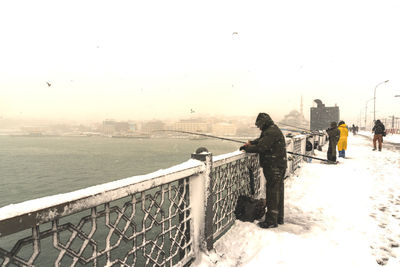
[191, 111]
[48, 84]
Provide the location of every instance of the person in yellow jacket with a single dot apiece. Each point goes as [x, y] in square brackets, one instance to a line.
[342, 143]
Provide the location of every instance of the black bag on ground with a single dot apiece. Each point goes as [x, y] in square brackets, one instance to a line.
[249, 209]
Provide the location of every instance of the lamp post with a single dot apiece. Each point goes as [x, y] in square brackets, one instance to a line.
[365, 119]
[375, 94]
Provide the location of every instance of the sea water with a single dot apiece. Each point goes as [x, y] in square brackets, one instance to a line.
[32, 167]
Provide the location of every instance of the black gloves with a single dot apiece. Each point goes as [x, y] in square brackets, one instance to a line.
[243, 147]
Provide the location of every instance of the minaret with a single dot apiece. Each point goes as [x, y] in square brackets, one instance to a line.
[301, 106]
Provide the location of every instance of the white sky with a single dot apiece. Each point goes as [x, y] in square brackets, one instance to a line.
[159, 59]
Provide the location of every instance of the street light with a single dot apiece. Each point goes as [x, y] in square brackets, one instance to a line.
[375, 94]
[365, 119]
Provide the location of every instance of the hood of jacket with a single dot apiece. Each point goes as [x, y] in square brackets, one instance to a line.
[263, 121]
[342, 125]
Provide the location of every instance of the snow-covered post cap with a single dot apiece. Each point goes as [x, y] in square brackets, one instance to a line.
[201, 154]
[207, 238]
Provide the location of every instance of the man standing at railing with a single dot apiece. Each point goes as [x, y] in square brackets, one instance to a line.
[271, 146]
[334, 135]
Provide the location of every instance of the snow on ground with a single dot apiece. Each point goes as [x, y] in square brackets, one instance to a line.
[335, 215]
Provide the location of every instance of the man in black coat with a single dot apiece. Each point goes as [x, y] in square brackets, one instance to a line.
[378, 130]
[334, 135]
[271, 146]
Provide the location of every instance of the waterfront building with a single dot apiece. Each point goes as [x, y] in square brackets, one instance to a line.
[295, 119]
[321, 116]
[152, 126]
[223, 128]
[110, 127]
[192, 125]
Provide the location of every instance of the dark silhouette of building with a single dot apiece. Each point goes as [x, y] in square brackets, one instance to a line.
[321, 116]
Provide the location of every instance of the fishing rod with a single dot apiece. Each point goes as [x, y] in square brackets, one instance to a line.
[236, 141]
[291, 130]
[311, 157]
[304, 129]
[201, 134]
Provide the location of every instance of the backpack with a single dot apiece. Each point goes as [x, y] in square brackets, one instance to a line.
[309, 146]
[249, 209]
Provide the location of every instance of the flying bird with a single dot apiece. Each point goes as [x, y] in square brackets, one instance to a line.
[235, 33]
[191, 111]
[48, 84]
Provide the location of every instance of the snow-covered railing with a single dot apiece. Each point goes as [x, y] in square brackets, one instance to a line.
[320, 138]
[163, 218]
[232, 177]
[392, 131]
[143, 221]
[296, 144]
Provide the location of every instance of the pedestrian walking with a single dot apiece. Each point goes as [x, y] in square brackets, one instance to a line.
[379, 132]
[333, 137]
[354, 129]
[271, 147]
[342, 143]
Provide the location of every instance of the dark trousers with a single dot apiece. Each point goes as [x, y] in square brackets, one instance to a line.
[331, 155]
[275, 194]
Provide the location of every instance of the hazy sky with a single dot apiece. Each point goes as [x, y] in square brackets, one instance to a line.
[158, 59]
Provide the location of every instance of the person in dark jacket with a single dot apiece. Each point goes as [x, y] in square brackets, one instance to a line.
[334, 135]
[378, 130]
[271, 146]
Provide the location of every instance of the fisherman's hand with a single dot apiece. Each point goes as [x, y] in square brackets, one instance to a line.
[243, 147]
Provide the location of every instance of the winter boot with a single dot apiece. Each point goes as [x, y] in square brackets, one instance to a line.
[267, 225]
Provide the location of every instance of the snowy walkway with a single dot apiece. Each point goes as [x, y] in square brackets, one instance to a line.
[336, 215]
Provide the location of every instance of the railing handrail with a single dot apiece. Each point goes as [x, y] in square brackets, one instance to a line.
[227, 158]
[27, 214]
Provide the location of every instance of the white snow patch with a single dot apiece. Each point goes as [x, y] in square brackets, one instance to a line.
[335, 215]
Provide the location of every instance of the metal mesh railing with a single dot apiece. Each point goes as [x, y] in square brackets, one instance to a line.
[142, 228]
[156, 220]
[230, 180]
[297, 142]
